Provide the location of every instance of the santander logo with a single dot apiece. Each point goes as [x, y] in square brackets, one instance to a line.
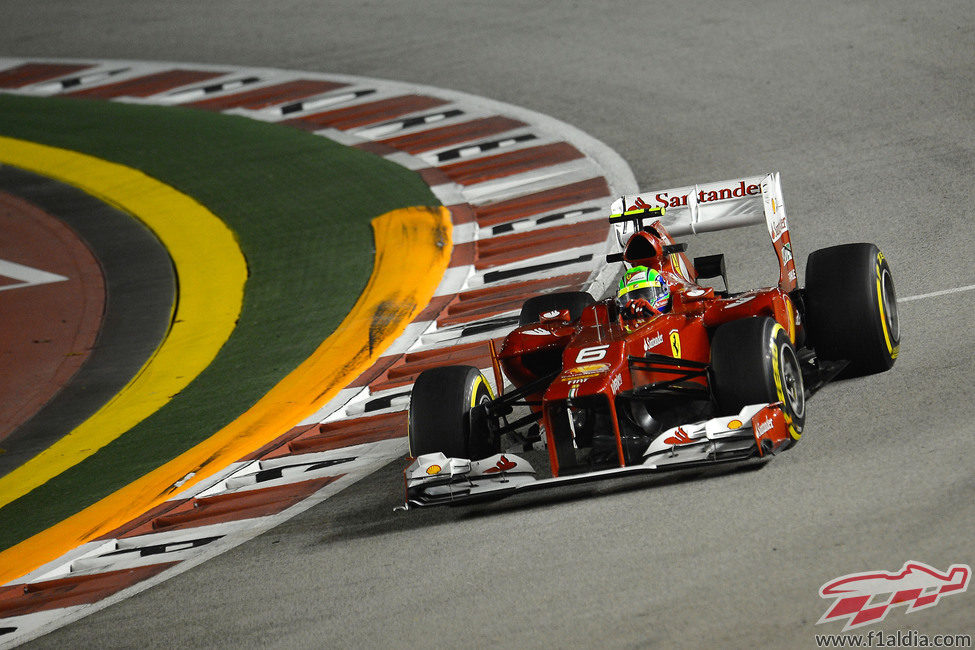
[663, 199]
[503, 465]
[865, 598]
[680, 437]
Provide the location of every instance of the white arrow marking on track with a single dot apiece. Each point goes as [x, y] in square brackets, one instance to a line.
[27, 275]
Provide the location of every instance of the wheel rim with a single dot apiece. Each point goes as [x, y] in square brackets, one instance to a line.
[792, 381]
[889, 297]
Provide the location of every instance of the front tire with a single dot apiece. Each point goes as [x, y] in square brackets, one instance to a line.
[754, 362]
[440, 414]
[851, 307]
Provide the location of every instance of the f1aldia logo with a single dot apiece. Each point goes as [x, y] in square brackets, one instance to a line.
[865, 598]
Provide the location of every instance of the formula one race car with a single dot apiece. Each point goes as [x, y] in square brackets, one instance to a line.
[667, 374]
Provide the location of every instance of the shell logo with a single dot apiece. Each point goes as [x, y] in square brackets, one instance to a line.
[434, 469]
[735, 424]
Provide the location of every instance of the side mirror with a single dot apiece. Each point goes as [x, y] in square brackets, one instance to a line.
[711, 266]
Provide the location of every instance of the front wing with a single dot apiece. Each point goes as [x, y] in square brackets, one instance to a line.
[758, 430]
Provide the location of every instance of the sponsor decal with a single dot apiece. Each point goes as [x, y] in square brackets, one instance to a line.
[866, 598]
[778, 227]
[635, 276]
[551, 314]
[503, 465]
[787, 253]
[739, 302]
[763, 427]
[735, 424]
[663, 199]
[695, 293]
[616, 382]
[680, 437]
[581, 373]
[652, 342]
[538, 331]
[434, 469]
[675, 343]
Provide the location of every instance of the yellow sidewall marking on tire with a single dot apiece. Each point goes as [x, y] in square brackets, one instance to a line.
[413, 249]
[211, 273]
[883, 312]
[477, 384]
[779, 388]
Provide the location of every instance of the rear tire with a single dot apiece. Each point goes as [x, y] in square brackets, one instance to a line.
[440, 414]
[753, 362]
[574, 301]
[851, 307]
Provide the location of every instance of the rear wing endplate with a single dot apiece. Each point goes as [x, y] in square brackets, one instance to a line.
[709, 207]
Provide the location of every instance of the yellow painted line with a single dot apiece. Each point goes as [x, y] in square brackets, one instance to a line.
[211, 272]
[413, 248]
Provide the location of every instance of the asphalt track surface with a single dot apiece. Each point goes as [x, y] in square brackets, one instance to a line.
[140, 286]
[865, 108]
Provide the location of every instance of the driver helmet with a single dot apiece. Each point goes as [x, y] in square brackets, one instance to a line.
[641, 282]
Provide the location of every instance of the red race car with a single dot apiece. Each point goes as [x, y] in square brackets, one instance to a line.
[665, 374]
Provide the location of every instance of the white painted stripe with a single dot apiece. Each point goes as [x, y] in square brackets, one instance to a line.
[970, 287]
[27, 275]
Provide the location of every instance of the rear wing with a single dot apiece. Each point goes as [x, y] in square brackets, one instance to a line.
[709, 207]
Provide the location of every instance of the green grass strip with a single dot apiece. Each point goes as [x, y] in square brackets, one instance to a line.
[300, 206]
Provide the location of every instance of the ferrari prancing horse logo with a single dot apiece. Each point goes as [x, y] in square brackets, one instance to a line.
[675, 343]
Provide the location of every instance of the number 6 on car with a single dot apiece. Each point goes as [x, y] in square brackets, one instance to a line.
[595, 353]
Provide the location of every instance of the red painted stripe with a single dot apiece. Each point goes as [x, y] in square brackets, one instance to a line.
[498, 251]
[540, 285]
[491, 301]
[363, 114]
[432, 176]
[461, 213]
[148, 85]
[445, 136]
[258, 98]
[514, 162]
[18, 600]
[405, 369]
[377, 148]
[143, 523]
[463, 254]
[233, 506]
[433, 309]
[345, 433]
[31, 73]
[278, 446]
[486, 311]
[547, 201]
[375, 371]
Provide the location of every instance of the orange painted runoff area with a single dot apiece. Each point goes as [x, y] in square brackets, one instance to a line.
[413, 249]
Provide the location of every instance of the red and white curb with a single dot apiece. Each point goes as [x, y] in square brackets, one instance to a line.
[528, 197]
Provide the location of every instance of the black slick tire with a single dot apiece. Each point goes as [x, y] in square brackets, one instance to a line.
[440, 414]
[851, 307]
[752, 362]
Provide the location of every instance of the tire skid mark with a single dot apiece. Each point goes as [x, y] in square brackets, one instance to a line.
[511, 178]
